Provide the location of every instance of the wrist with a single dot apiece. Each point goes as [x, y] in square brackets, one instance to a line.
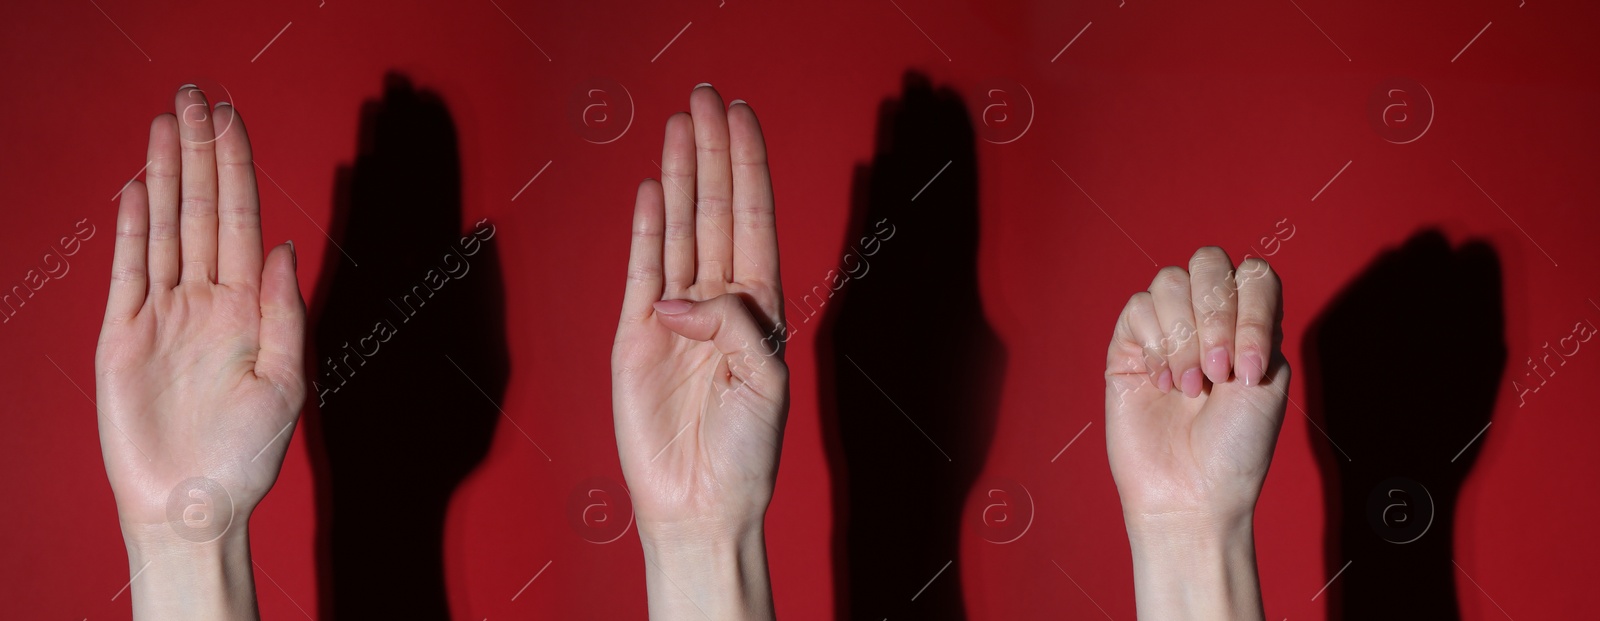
[1190, 527]
[1195, 566]
[699, 570]
[672, 533]
[175, 578]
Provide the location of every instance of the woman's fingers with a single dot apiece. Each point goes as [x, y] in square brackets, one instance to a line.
[162, 177]
[713, 231]
[1215, 300]
[283, 323]
[1199, 324]
[755, 230]
[1136, 343]
[645, 278]
[1255, 340]
[677, 188]
[1169, 294]
[129, 280]
[238, 206]
[197, 138]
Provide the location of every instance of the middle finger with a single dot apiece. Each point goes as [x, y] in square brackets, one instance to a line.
[199, 182]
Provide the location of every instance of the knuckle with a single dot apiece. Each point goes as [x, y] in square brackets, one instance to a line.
[163, 230]
[198, 206]
[751, 210]
[677, 230]
[1171, 278]
[197, 146]
[1180, 333]
[1214, 338]
[1256, 268]
[1216, 301]
[715, 267]
[677, 181]
[1209, 258]
[1251, 327]
[235, 158]
[240, 215]
[163, 168]
[714, 204]
[707, 147]
[1214, 316]
[643, 273]
[127, 274]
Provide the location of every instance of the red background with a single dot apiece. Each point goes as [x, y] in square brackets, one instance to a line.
[1188, 123]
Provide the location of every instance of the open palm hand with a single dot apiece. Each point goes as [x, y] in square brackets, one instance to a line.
[198, 368]
[700, 391]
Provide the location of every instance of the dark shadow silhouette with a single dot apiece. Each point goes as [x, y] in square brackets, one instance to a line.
[1403, 368]
[903, 336]
[399, 424]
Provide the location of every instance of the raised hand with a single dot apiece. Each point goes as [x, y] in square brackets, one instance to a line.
[699, 388]
[198, 368]
[1195, 394]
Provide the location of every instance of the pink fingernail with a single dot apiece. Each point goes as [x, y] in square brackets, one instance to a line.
[1216, 365]
[1164, 382]
[1191, 383]
[1250, 368]
[672, 307]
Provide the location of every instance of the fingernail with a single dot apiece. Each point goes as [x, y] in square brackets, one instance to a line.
[737, 102]
[188, 86]
[1216, 365]
[1251, 369]
[1164, 383]
[294, 259]
[1191, 383]
[703, 84]
[672, 307]
[221, 104]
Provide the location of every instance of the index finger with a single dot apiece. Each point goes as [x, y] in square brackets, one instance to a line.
[1256, 335]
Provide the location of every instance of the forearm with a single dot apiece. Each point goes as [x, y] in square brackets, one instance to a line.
[694, 575]
[173, 578]
[1186, 568]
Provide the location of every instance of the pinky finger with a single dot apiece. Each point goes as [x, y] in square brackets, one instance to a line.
[129, 275]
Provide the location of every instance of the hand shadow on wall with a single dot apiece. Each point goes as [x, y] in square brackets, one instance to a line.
[903, 336]
[398, 344]
[1403, 370]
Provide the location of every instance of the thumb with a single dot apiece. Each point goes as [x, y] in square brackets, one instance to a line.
[727, 323]
[283, 322]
